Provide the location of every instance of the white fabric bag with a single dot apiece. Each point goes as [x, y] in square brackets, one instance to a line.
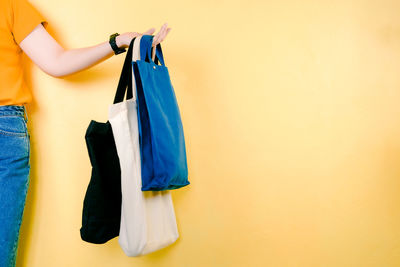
[147, 218]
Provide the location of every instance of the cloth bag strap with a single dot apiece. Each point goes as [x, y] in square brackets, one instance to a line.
[135, 56]
[126, 77]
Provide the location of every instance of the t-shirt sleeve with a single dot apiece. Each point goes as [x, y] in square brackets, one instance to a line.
[25, 19]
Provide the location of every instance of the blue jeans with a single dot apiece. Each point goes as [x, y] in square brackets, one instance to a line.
[14, 178]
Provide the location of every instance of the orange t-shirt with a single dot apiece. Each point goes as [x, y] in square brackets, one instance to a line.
[18, 18]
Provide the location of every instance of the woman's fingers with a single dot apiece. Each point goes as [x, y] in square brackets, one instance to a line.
[160, 35]
[149, 31]
[157, 39]
[165, 34]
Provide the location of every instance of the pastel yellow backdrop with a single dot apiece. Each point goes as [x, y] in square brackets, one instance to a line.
[292, 123]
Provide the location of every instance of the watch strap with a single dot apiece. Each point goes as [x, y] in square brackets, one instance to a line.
[114, 46]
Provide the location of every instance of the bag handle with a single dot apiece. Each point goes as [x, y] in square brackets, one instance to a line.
[135, 56]
[159, 55]
[126, 77]
[146, 49]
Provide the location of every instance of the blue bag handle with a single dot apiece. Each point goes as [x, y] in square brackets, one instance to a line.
[146, 49]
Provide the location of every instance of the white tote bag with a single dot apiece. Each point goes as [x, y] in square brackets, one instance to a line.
[147, 218]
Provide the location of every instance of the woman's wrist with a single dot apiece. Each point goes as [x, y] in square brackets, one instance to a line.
[120, 42]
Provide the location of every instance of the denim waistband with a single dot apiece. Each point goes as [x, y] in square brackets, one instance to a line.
[13, 110]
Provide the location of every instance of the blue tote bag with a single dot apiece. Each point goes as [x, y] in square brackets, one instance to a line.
[161, 138]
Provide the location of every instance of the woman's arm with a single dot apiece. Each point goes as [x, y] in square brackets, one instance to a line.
[53, 59]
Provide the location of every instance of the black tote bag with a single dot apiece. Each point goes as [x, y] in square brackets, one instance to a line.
[102, 204]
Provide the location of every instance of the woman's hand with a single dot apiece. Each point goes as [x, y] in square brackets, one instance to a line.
[123, 40]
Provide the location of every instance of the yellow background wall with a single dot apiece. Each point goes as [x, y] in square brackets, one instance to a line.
[292, 123]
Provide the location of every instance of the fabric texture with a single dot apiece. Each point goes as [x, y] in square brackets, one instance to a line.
[147, 218]
[101, 211]
[18, 18]
[162, 142]
[14, 179]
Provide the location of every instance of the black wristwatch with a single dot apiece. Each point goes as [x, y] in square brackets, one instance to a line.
[114, 46]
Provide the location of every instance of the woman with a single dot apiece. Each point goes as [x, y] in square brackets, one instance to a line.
[22, 29]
